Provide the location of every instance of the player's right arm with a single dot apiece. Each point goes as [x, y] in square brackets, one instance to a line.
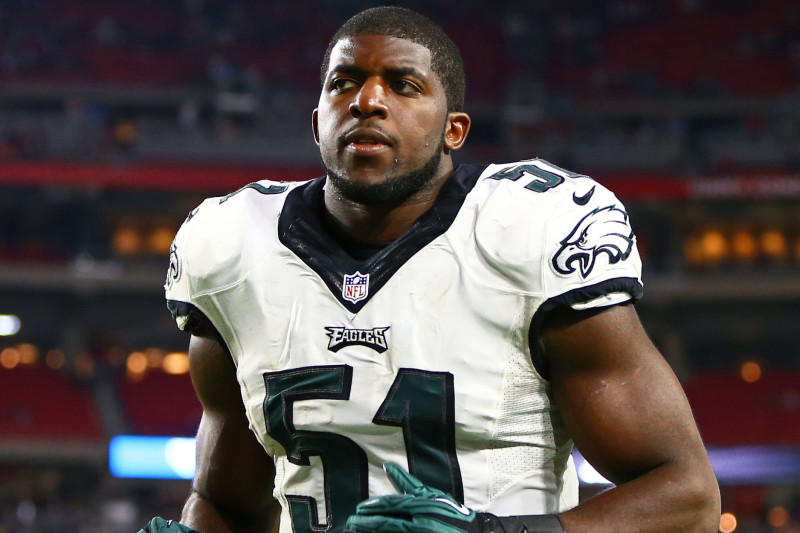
[232, 489]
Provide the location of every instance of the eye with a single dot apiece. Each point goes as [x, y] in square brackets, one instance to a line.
[405, 87]
[341, 84]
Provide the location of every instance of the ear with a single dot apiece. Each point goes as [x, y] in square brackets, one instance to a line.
[455, 134]
[315, 125]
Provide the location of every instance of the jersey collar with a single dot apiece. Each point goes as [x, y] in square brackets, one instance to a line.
[301, 231]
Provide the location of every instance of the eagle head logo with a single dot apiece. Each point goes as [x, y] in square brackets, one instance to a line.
[174, 271]
[605, 230]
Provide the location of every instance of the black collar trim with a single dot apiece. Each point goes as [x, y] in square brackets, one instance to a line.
[300, 230]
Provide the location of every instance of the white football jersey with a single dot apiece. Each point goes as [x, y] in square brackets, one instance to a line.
[419, 355]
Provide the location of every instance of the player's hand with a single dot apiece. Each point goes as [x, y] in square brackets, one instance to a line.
[159, 525]
[419, 508]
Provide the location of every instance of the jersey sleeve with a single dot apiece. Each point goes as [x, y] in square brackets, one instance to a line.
[178, 287]
[590, 256]
[214, 250]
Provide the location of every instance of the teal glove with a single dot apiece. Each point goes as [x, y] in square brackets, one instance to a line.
[159, 525]
[420, 509]
[424, 509]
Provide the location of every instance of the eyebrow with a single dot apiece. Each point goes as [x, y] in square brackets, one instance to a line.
[395, 72]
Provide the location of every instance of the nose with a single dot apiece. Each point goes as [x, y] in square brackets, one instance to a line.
[370, 100]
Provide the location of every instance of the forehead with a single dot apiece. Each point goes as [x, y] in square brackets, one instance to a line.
[378, 52]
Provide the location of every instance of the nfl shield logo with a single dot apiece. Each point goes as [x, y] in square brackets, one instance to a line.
[355, 287]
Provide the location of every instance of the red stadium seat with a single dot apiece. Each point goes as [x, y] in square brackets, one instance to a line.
[40, 403]
[161, 404]
[730, 411]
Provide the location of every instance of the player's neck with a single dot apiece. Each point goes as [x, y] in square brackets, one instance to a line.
[381, 223]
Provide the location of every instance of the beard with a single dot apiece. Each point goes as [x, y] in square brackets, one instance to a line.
[392, 190]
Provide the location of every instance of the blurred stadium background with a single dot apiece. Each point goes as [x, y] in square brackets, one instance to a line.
[118, 116]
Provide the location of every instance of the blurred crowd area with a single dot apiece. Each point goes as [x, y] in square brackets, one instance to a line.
[117, 117]
[80, 499]
[685, 86]
[652, 92]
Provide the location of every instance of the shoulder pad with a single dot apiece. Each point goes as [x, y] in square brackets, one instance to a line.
[209, 250]
[550, 230]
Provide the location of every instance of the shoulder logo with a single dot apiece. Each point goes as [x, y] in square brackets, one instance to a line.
[583, 200]
[374, 338]
[174, 270]
[355, 287]
[604, 230]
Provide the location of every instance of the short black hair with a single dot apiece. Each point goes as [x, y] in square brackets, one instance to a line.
[404, 23]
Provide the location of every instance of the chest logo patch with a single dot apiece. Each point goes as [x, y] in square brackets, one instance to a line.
[374, 338]
[604, 230]
[355, 287]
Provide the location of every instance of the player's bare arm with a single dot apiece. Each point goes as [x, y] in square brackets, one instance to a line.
[232, 490]
[628, 416]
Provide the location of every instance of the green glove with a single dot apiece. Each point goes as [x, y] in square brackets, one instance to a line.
[159, 525]
[420, 509]
[424, 509]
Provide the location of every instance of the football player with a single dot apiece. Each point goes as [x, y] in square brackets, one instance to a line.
[408, 345]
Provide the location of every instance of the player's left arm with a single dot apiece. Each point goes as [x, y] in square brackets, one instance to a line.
[629, 417]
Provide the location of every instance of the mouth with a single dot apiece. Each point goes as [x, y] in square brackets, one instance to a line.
[366, 141]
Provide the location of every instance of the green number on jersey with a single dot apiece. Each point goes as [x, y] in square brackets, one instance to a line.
[270, 189]
[543, 179]
[345, 463]
[420, 402]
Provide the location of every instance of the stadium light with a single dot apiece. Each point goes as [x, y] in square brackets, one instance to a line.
[143, 457]
[131, 456]
[9, 325]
